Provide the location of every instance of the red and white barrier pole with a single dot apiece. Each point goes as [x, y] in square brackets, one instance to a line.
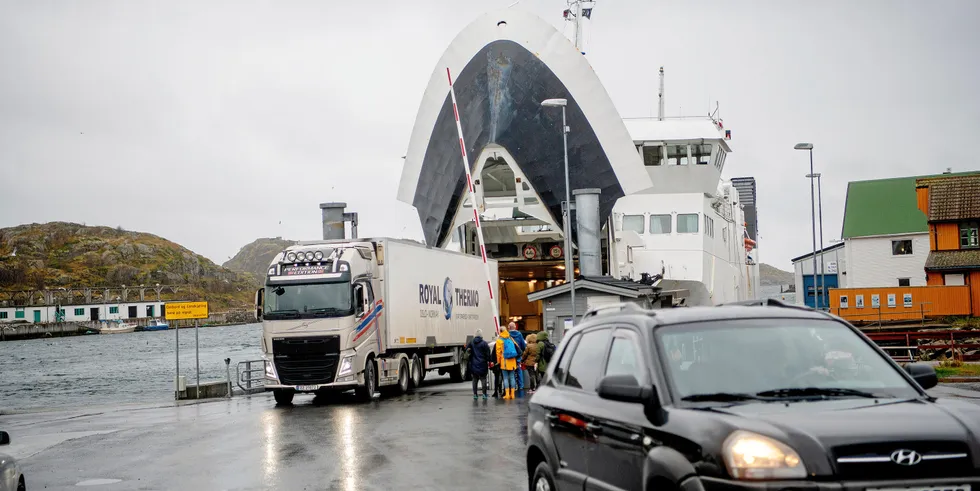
[476, 214]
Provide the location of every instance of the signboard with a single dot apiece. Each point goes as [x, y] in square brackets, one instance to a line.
[304, 270]
[875, 301]
[186, 310]
[843, 301]
[859, 301]
[891, 299]
[907, 300]
[832, 267]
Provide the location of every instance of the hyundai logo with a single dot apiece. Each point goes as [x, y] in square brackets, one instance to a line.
[906, 457]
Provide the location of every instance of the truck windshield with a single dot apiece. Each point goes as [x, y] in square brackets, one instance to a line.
[307, 301]
[775, 359]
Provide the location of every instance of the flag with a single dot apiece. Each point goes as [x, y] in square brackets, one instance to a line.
[587, 13]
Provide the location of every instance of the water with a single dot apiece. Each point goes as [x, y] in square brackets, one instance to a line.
[772, 291]
[112, 369]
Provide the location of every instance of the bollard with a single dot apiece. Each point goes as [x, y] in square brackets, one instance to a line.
[228, 373]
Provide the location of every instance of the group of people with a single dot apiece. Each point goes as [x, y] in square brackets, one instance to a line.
[517, 364]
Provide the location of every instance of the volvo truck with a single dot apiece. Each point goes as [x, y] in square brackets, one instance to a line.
[367, 314]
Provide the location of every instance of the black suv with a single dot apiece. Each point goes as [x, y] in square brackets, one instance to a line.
[741, 397]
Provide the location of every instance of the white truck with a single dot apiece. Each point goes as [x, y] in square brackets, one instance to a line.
[369, 313]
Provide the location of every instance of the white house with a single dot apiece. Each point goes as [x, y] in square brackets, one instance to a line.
[79, 313]
[832, 272]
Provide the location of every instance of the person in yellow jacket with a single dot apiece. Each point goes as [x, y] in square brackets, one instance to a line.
[507, 356]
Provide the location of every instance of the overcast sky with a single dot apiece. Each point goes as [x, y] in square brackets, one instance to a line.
[213, 123]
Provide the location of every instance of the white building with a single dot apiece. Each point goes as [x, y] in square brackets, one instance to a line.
[37, 314]
[831, 270]
[886, 236]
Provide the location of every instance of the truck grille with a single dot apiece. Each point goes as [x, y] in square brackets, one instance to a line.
[306, 360]
[873, 461]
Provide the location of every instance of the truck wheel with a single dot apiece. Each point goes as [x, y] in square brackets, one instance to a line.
[366, 392]
[403, 376]
[415, 381]
[283, 397]
[456, 373]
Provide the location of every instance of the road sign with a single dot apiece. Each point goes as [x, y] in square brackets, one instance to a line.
[186, 310]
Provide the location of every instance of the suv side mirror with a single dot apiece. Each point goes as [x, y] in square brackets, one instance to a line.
[4, 438]
[625, 388]
[924, 374]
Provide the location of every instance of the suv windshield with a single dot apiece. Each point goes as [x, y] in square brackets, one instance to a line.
[310, 300]
[774, 358]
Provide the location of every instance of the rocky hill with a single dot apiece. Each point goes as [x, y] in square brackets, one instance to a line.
[254, 258]
[59, 254]
[771, 275]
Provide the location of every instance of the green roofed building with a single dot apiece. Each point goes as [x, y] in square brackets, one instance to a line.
[885, 234]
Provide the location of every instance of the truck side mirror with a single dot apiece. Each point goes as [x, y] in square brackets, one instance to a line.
[259, 303]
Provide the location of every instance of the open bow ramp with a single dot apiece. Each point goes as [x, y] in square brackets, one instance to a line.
[504, 64]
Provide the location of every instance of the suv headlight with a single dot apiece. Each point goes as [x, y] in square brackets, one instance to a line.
[752, 456]
[345, 366]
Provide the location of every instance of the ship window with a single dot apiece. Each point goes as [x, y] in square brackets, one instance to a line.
[720, 159]
[677, 155]
[633, 223]
[709, 226]
[701, 154]
[653, 155]
[659, 224]
[687, 223]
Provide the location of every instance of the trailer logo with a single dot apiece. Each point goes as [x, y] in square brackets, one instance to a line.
[447, 297]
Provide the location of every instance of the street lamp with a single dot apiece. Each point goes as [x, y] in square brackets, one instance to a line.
[823, 268]
[569, 264]
[813, 222]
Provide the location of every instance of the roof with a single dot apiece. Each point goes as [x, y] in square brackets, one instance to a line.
[962, 259]
[821, 251]
[602, 284]
[956, 198]
[885, 207]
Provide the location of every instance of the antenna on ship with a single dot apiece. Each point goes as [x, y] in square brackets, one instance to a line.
[660, 109]
[575, 12]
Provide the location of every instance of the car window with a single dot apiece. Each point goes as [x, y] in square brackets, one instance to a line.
[624, 359]
[750, 356]
[566, 356]
[586, 362]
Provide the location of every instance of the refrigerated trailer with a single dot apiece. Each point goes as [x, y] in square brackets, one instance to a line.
[364, 314]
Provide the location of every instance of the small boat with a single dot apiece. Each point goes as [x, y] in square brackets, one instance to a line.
[117, 327]
[155, 325]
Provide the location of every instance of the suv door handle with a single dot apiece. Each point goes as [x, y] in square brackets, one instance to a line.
[594, 428]
[552, 417]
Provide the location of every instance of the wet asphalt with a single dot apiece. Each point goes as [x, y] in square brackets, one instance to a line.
[435, 438]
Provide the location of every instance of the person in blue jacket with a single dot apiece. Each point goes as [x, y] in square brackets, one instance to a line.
[522, 345]
[479, 365]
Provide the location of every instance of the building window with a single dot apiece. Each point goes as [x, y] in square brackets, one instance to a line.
[19, 314]
[901, 247]
[701, 154]
[113, 310]
[633, 223]
[80, 311]
[954, 279]
[904, 282]
[687, 223]
[970, 235]
[3, 315]
[709, 226]
[653, 155]
[659, 224]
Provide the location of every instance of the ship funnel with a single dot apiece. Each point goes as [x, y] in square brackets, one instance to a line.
[333, 217]
[587, 218]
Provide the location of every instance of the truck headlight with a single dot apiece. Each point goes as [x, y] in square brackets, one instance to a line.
[752, 456]
[270, 370]
[345, 366]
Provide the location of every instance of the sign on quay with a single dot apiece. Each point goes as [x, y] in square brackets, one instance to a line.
[186, 310]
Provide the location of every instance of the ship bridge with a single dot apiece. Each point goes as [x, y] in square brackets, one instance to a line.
[503, 65]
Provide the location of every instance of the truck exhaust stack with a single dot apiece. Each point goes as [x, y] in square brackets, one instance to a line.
[587, 218]
[333, 217]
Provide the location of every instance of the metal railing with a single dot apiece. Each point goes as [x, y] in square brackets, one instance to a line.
[910, 347]
[247, 381]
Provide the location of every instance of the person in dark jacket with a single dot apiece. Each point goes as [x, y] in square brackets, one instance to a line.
[498, 379]
[479, 362]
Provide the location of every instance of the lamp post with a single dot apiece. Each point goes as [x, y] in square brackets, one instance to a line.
[567, 218]
[823, 267]
[813, 222]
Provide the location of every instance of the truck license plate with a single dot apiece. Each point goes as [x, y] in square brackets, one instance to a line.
[313, 387]
[941, 487]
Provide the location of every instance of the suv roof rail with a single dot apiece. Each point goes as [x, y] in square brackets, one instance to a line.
[615, 306]
[767, 302]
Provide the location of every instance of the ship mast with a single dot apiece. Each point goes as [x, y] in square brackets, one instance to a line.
[575, 13]
[660, 109]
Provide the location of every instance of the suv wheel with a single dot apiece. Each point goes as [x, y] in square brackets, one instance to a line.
[543, 480]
